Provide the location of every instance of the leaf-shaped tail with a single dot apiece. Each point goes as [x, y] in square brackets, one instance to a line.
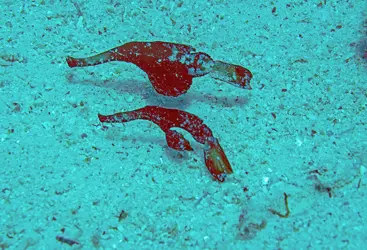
[231, 73]
[216, 161]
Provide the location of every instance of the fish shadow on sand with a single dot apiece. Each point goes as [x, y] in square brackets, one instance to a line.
[145, 91]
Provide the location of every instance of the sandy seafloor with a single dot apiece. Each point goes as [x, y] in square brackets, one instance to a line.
[300, 131]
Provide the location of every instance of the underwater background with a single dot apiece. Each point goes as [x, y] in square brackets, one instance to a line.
[297, 141]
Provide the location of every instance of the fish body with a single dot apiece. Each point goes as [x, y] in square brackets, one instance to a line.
[215, 159]
[170, 66]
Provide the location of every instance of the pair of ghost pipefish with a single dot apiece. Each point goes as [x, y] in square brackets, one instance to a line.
[170, 68]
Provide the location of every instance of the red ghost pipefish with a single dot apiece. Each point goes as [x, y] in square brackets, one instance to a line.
[170, 66]
[215, 159]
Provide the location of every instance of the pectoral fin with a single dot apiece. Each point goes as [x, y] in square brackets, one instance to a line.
[175, 140]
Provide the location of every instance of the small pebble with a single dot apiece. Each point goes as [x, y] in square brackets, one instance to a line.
[329, 133]
[362, 170]
[129, 99]
[80, 22]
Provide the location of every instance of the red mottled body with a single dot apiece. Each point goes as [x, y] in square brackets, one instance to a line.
[169, 66]
[215, 158]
